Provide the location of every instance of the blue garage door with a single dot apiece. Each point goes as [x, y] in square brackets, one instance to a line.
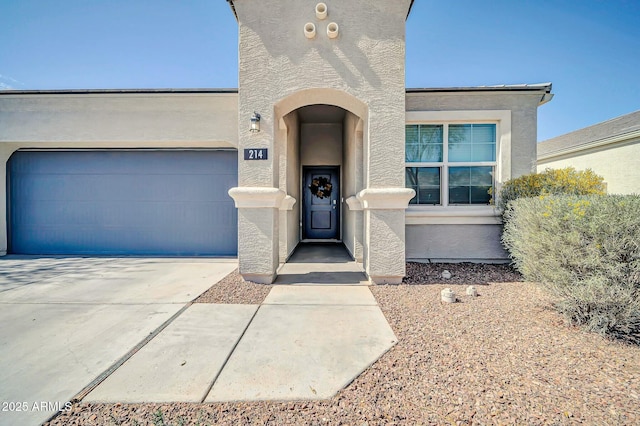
[122, 202]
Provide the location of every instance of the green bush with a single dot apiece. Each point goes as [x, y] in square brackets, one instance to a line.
[567, 181]
[586, 251]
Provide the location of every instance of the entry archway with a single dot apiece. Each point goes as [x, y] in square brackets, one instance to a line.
[321, 130]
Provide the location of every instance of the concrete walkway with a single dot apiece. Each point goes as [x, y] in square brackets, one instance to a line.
[304, 342]
[301, 343]
[124, 330]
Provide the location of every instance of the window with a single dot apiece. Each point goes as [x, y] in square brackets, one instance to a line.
[450, 164]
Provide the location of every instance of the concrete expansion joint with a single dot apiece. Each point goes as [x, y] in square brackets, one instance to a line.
[233, 349]
[109, 371]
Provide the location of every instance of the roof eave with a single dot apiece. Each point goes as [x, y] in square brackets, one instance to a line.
[615, 139]
[116, 91]
[543, 88]
[233, 8]
[410, 6]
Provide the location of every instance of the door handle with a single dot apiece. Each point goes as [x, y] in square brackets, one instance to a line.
[334, 204]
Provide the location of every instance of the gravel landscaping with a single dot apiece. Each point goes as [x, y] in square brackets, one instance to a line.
[233, 289]
[504, 357]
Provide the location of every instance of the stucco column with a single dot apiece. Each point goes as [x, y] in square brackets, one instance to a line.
[258, 235]
[384, 219]
[355, 208]
[5, 154]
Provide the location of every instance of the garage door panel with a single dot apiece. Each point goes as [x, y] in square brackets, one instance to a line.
[163, 214]
[122, 187]
[118, 162]
[165, 203]
[82, 241]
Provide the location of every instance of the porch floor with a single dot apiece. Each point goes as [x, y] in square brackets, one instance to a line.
[321, 264]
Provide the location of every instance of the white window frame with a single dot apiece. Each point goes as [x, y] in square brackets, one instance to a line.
[462, 214]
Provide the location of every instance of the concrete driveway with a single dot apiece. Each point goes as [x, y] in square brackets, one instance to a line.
[64, 321]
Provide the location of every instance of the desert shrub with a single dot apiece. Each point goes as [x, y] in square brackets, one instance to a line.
[568, 181]
[586, 251]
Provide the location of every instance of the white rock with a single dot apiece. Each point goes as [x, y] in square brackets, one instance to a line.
[472, 291]
[446, 274]
[447, 295]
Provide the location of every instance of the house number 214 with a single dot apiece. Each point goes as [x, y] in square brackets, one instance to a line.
[255, 154]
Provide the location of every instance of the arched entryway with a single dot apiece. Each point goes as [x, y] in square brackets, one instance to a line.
[372, 199]
[320, 143]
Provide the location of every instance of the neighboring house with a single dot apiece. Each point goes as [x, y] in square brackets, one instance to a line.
[339, 150]
[611, 149]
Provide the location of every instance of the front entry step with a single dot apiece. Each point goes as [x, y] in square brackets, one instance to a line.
[321, 264]
[320, 295]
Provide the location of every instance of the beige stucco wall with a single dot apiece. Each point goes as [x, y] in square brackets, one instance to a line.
[352, 235]
[321, 144]
[455, 243]
[289, 182]
[362, 71]
[5, 153]
[366, 61]
[119, 119]
[619, 164]
[524, 112]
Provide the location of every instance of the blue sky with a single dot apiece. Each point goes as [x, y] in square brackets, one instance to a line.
[588, 49]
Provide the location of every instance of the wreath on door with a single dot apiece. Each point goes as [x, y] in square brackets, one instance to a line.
[321, 187]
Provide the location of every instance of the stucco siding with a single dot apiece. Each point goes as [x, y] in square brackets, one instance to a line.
[351, 178]
[387, 225]
[455, 243]
[321, 144]
[366, 61]
[618, 164]
[261, 226]
[5, 154]
[290, 184]
[125, 119]
[361, 71]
